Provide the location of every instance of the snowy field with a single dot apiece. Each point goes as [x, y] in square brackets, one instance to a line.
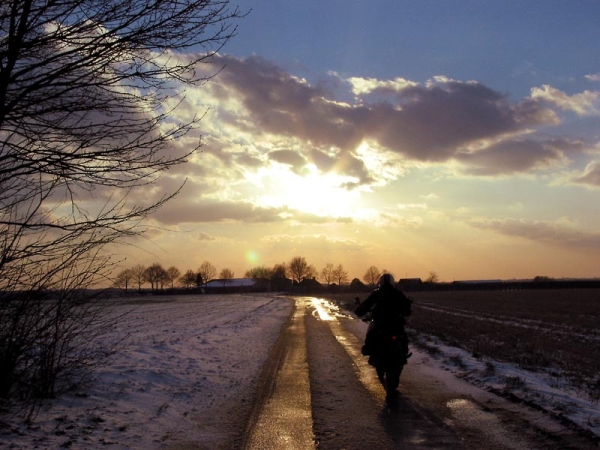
[185, 374]
[187, 370]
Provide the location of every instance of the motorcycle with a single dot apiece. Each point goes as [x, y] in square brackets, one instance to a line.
[388, 352]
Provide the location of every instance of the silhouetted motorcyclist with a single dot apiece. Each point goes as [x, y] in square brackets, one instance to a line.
[389, 307]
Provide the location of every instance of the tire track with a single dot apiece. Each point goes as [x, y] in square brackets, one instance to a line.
[282, 417]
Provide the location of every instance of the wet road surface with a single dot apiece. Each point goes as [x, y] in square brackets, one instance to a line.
[319, 392]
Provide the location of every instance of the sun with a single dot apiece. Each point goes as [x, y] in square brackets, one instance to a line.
[311, 192]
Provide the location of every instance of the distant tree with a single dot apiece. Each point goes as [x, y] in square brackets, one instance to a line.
[299, 268]
[340, 275]
[199, 281]
[188, 279]
[279, 274]
[279, 271]
[173, 274]
[226, 275]
[155, 275]
[207, 271]
[327, 274]
[432, 278]
[311, 272]
[259, 273]
[372, 275]
[123, 279]
[138, 275]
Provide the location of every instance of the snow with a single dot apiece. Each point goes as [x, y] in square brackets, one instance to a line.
[188, 368]
[185, 373]
[554, 395]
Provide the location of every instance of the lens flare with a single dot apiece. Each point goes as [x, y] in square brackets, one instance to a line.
[252, 257]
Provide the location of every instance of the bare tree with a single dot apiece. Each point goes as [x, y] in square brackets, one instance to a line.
[123, 279]
[138, 276]
[226, 275]
[188, 279]
[173, 274]
[311, 272]
[372, 275]
[207, 272]
[299, 268]
[279, 274]
[340, 275]
[155, 275]
[432, 278]
[279, 271]
[259, 273]
[327, 274]
[85, 127]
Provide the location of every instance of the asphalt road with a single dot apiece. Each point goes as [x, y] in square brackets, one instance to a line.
[318, 391]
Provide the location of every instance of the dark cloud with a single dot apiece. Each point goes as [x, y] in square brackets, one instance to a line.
[322, 160]
[289, 157]
[432, 122]
[190, 210]
[435, 122]
[515, 156]
[543, 232]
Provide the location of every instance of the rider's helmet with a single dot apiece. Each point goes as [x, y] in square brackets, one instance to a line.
[385, 280]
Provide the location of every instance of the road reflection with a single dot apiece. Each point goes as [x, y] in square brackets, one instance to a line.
[320, 307]
[327, 310]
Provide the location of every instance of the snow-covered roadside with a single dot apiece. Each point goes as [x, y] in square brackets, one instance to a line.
[186, 372]
[539, 390]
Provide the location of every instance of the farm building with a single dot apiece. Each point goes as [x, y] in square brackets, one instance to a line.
[234, 282]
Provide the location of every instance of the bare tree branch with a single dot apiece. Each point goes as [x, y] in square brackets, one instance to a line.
[89, 91]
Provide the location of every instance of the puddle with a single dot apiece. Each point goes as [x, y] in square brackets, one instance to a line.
[327, 310]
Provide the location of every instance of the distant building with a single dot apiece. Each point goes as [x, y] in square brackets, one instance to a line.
[410, 283]
[232, 285]
[310, 285]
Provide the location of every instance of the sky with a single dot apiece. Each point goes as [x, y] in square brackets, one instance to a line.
[455, 137]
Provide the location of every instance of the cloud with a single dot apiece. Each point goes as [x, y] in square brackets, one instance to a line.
[557, 234]
[322, 244]
[593, 77]
[430, 196]
[518, 156]
[289, 157]
[397, 221]
[362, 86]
[192, 210]
[413, 206]
[263, 118]
[591, 175]
[585, 104]
[431, 122]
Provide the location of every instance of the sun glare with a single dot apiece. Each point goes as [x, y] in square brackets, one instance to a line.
[313, 193]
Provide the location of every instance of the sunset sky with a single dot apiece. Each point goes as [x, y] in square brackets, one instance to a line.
[461, 137]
